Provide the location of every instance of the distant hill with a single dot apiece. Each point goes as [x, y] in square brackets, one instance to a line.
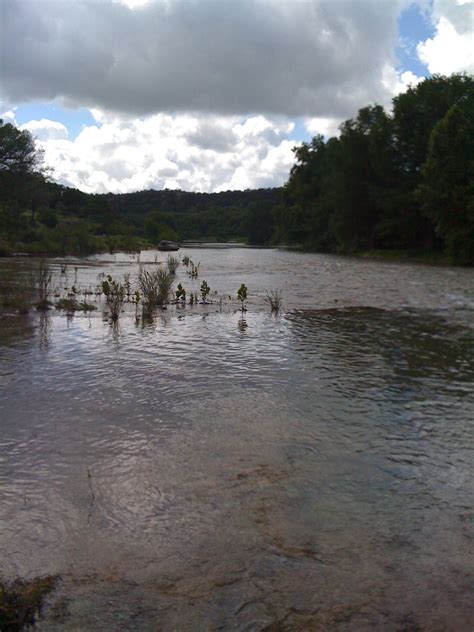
[175, 201]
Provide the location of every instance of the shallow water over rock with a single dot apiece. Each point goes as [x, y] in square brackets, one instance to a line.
[312, 470]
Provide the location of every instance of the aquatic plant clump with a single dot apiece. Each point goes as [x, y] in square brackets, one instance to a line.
[180, 293]
[21, 602]
[193, 270]
[155, 286]
[205, 289]
[173, 264]
[148, 284]
[44, 286]
[242, 295]
[274, 300]
[71, 305]
[115, 295]
[165, 283]
[127, 285]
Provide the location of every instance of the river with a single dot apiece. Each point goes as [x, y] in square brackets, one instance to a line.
[311, 470]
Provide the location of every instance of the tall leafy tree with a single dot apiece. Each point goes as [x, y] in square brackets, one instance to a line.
[258, 223]
[418, 110]
[446, 191]
[415, 114]
[301, 192]
[22, 184]
[18, 152]
[356, 212]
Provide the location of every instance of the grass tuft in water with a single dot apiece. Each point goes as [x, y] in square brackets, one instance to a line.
[71, 305]
[274, 300]
[173, 264]
[155, 288]
[149, 289]
[44, 286]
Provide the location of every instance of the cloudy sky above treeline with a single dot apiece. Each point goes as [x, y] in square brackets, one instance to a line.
[203, 95]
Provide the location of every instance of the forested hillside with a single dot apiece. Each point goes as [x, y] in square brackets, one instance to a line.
[244, 215]
[400, 180]
[38, 216]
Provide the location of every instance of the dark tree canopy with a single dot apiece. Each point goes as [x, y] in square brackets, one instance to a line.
[390, 181]
[18, 152]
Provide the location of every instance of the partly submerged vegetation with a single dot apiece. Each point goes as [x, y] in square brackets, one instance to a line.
[274, 300]
[391, 181]
[45, 287]
[21, 602]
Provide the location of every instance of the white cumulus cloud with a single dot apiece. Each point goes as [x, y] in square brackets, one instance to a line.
[451, 49]
[46, 129]
[9, 117]
[193, 153]
[328, 127]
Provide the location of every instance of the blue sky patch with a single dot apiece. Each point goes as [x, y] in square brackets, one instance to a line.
[414, 26]
[73, 120]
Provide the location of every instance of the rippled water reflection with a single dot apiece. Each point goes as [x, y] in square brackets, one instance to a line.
[309, 471]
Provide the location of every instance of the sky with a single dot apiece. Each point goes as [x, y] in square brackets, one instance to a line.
[209, 95]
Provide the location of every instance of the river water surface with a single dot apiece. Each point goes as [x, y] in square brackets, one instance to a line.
[307, 471]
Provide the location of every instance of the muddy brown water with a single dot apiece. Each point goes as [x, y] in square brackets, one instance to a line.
[309, 471]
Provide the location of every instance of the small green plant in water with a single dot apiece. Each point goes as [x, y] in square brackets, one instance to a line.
[173, 264]
[114, 295]
[84, 306]
[71, 305]
[149, 287]
[127, 285]
[136, 301]
[186, 260]
[180, 293]
[193, 272]
[205, 289]
[44, 286]
[242, 295]
[165, 283]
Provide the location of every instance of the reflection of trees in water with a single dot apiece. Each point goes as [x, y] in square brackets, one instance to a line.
[398, 387]
[409, 345]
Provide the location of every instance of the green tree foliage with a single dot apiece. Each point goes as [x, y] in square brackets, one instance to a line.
[160, 226]
[385, 182]
[18, 153]
[22, 184]
[48, 218]
[446, 191]
[418, 110]
[258, 223]
[302, 191]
